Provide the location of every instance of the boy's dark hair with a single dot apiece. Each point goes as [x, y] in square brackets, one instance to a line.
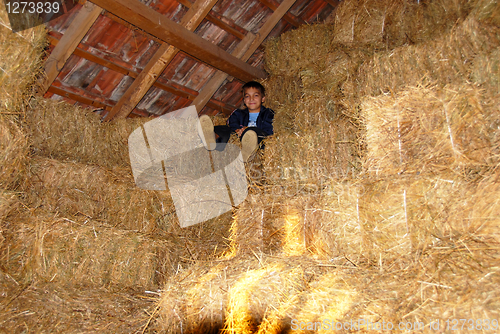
[254, 84]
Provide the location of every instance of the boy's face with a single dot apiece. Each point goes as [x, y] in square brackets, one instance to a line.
[253, 99]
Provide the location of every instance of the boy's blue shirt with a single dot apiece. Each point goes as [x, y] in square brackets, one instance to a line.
[240, 117]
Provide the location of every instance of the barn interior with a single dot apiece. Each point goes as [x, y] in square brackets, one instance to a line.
[373, 207]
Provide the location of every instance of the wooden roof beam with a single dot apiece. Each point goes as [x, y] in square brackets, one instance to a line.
[290, 18]
[212, 17]
[78, 28]
[170, 32]
[244, 50]
[93, 102]
[78, 98]
[157, 64]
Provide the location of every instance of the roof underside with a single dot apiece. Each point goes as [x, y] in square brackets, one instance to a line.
[113, 53]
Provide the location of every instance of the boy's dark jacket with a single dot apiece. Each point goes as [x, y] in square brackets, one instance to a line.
[240, 118]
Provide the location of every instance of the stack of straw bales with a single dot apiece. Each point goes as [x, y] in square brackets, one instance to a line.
[73, 225]
[401, 223]
[378, 199]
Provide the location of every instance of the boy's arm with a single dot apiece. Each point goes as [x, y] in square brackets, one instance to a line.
[234, 121]
[267, 121]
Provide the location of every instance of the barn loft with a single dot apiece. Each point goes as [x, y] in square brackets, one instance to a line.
[373, 207]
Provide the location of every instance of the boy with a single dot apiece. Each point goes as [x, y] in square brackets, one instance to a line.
[251, 124]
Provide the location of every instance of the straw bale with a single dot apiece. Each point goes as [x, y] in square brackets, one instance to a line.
[292, 51]
[282, 94]
[326, 301]
[454, 280]
[295, 221]
[486, 71]
[487, 11]
[480, 211]
[200, 242]
[388, 24]
[65, 132]
[430, 129]
[444, 60]
[57, 308]
[254, 292]
[95, 192]
[253, 226]
[282, 90]
[322, 149]
[236, 295]
[20, 62]
[367, 22]
[13, 152]
[379, 221]
[8, 202]
[327, 75]
[85, 252]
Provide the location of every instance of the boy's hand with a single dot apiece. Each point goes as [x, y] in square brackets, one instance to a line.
[240, 131]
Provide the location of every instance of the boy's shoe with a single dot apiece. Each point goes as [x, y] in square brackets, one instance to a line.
[249, 144]
[206, 132]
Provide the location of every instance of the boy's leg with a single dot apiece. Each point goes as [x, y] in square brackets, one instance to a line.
[223, 133]
[250, 140]
[206, 132]
[260, 133]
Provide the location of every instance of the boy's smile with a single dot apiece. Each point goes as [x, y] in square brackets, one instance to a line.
[253, 99]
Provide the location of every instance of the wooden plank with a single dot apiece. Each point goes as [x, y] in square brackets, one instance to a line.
[244, 50]
[78, 97]
[170, 32]
[212, 17]
[157, 64]
[290, 18]
[81, 24]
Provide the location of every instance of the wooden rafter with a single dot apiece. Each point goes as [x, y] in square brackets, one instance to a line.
[94, 101]
[78, 97]
[170, 32]
[212, 17]
[81, 24]
[244, 51]
[157, 64]
[290, 18]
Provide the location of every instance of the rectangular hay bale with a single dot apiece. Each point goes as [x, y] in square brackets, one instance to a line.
[95, 192]
[84, 252]
[428, 130]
